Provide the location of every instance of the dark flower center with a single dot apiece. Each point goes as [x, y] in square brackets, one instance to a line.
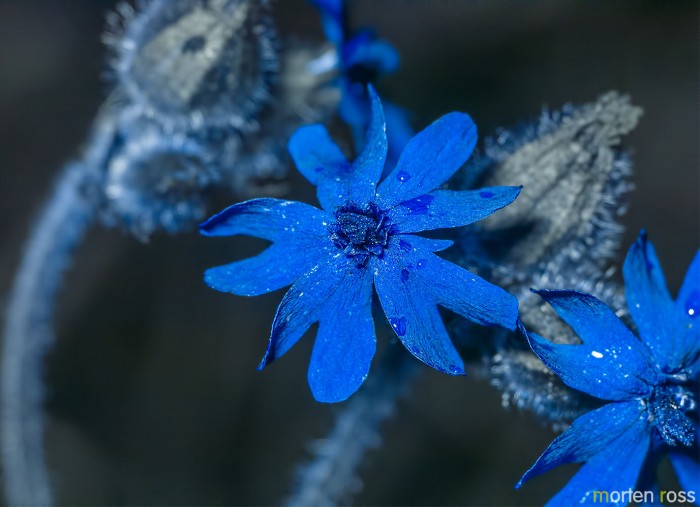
[361, 232]
[673, 410]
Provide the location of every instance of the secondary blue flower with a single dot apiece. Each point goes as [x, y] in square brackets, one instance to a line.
[362, 58]
[363, 237]
[651, 383]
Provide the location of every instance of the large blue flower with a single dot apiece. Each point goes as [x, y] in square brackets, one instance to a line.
[652, 384]
[363, 237]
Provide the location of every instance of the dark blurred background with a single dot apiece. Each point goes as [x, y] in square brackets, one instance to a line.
[153, 394]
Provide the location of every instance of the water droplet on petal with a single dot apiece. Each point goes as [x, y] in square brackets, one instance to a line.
[403, 176]
[415, 350]
[421, 263]
[692, 304]
[596, 354]
[486, 194]
[454, 368]
[399, 325]
[404, 275]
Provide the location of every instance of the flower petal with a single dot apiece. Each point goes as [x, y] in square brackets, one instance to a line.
[687, 469]
[442, 209]
[368, 166]
[688, 305]
[345, 343]
[332, 19]
[689, 295]
[411, 310]
[321, 162]
[650, 304]
[429, 159]
[276, 267]
[615, 468]
[315, 154]
[302, 305]
[610, 364]
[590, 435]
[271, 219]
[366, 50]
[465, 293]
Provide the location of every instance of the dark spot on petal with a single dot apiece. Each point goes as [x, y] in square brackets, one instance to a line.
[398, 324]
[405, 245]
[486, 194]
[419, 205]
[404, 275]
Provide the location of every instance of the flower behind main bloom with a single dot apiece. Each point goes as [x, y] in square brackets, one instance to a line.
[651, 383]
[362, 237]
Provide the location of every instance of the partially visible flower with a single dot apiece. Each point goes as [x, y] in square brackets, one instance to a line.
[362, 58]
[651, 383]
[363, 238]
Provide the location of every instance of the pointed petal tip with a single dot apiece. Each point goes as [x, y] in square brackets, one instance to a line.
[266, 360]
[204, 227]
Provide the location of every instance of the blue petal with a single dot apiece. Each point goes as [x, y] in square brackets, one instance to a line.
[463, 292]
[590, 435]
[429, 159]
[442, 209]
[345, 343]
[689, 295]
[412, 281]
[687, 469]
[650, 304]
[332, 19]
[615, 468]
[610, 364]
[411, 310]
[688, 305]
[315, 154]
[271, 219]
[320, 160]
[368, 166]
[278, 266]
[302, 305]
[366, 50]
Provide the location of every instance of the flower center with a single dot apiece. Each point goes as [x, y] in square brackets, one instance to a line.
[361, 232]
[673, 410]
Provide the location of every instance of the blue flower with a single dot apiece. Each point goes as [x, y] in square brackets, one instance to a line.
[362, 58]
[651, 383]
[363, 237]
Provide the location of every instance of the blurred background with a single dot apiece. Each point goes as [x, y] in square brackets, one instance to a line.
[153, 397]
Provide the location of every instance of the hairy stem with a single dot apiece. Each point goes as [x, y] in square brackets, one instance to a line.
[331, 476]
[28, 334]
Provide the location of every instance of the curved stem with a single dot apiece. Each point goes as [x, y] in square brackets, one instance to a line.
[28, 333]
[331, 476]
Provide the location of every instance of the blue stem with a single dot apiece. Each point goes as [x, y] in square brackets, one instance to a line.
[331, 476]
[28, 334]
